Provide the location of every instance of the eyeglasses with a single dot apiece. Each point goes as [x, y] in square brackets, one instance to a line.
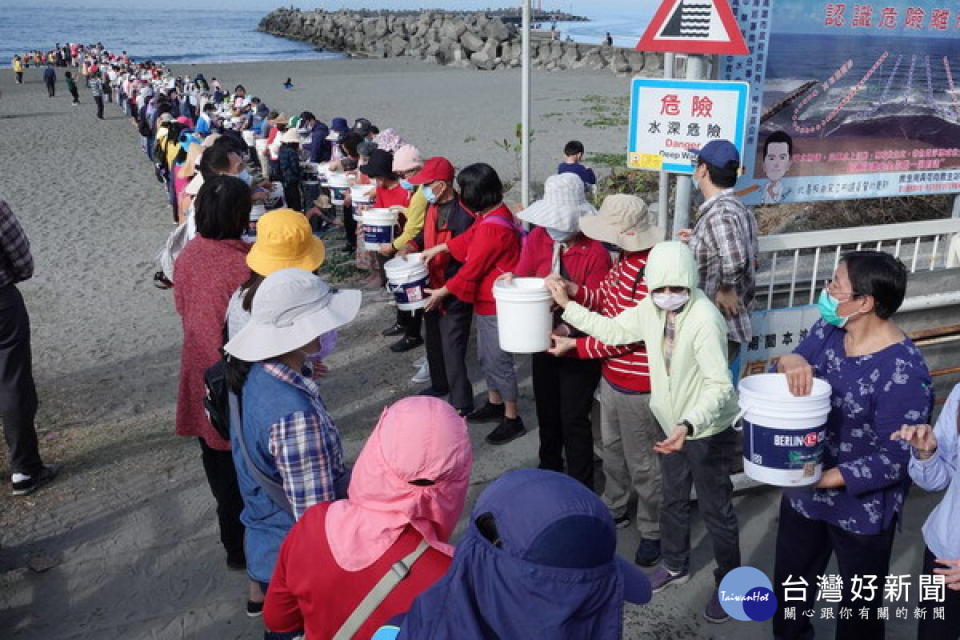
[830, 286]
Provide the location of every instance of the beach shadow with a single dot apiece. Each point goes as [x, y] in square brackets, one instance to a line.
[40, 114]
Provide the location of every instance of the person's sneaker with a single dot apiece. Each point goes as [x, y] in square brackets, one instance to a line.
[648, 553]
[254, 609]
[422, 374]
[419, 362]
[463, 413]
[406, 343]
[24, 485]
[622, 522]
[714, 612]
[663, 577]
[489, 412]
[508, 430]
[395, 330]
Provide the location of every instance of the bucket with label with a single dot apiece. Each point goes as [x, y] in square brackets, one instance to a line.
[256, 212]
[362, 196]
[783, 434]
[378, 228]
[524, 319]
[407, 278]
[249, 137]
[339, 184]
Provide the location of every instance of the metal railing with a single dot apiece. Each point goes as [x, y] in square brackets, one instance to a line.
[796, 265]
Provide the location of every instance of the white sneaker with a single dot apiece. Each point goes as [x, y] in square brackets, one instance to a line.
[422, 374]
[419, 362]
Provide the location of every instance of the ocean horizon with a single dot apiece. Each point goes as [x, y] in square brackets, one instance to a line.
[209, 36]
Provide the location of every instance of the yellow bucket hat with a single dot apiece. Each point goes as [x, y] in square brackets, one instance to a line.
[285, 241]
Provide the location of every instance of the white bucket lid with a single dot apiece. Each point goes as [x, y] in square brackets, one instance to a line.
[522, 290]
[769, 392]
[380, 216]
[403, 269]
[363, 191]
[338, 180]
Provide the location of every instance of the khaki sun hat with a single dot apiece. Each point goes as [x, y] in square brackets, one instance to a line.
[625, 221]
[285, 241]
[290, 135]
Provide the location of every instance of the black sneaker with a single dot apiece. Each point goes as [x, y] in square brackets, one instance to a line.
[406, 343]
[622, 522]
[489, 412]
[648, 553]
[463, 413]
[509, 429]
[25, 485]
[395, 330]
[254, 609]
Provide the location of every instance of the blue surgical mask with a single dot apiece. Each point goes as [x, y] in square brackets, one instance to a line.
[828, 305]
[429, 195]
[245, 176]
[406, 185]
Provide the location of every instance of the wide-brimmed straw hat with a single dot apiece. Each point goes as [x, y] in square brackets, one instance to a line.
[564, 203]
[292, 307]
[290, 135]
[285, 241]
[625, 221]
[281, 118]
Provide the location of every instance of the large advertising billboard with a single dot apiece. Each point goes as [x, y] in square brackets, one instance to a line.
[849, 99]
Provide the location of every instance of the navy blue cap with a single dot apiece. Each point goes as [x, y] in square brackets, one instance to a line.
[719, 153]
[550, 519]
[339, 125]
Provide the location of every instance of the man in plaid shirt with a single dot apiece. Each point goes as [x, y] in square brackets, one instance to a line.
[724, 241]
[18, 395]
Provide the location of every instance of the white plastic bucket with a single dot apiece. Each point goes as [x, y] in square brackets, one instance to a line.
[524, 320]
[362, 196]
[407, 277]
[378, 228]
[783, 434]
[339, 184]
[249, 137]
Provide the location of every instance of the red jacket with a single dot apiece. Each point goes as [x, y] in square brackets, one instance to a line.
[207, 272]
[585, 261]
[395, 197]
[459, 222]
[488, 250]
[623, 288]
[310, 591]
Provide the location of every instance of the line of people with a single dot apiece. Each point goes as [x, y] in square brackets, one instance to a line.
[656, 324]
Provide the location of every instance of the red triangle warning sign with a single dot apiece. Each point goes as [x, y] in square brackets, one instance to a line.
[694, 26]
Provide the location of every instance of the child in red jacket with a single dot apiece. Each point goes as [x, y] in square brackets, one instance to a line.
[488, 250]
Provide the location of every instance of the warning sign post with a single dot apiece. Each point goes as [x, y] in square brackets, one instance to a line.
[694, 26]
[668, 118]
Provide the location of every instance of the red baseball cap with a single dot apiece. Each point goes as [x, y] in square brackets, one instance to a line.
[436, 168]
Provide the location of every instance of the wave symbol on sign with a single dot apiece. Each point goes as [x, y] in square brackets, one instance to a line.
[691, 19]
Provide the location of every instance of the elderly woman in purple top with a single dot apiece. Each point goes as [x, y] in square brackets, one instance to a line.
[879, 382]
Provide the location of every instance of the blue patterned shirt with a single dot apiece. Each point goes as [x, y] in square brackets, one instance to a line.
[873, 396]
[306, 447]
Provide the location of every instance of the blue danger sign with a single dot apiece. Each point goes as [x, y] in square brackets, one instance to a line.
[669, 118]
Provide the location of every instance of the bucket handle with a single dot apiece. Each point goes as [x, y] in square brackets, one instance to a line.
[737, 424]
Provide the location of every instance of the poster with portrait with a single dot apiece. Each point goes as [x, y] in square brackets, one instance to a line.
[849, 99]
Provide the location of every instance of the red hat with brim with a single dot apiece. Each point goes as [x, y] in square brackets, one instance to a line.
[434, 169]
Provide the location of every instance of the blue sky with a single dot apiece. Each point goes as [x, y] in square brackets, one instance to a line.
[266, 5]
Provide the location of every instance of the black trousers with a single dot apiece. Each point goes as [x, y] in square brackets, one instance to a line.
[19, 77]
[447, 337]
[51, 88]
[563, 389]
[949, 627]
[350, 227]
[222, 478]
[99, 101]
[291, 194]
[18, 394]
[804, 548]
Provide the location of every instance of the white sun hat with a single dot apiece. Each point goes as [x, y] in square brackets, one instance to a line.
[291, 308]
[564, 202]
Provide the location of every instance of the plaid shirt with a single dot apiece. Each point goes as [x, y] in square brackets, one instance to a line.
[306, 447]
[724, 243]
[16, 263]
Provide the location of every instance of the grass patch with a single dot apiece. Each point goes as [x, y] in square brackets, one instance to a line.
[607, 159]
[607, 121]
[629, 181]
[469, 139]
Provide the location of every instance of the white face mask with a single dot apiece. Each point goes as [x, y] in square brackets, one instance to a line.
[670, 301]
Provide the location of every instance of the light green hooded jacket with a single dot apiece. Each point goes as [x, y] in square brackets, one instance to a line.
[698, 388]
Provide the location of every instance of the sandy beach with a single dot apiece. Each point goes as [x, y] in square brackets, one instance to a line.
[124, 544]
